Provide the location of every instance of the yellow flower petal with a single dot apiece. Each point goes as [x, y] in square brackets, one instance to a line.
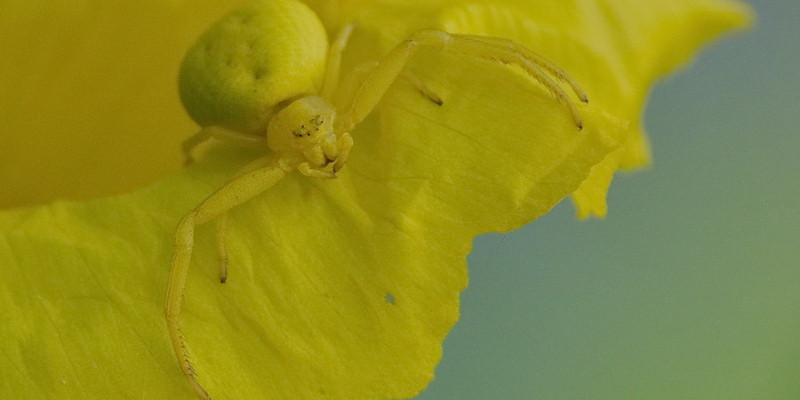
[343, 289]
[590, 198]
[616, 50]
[661, 36]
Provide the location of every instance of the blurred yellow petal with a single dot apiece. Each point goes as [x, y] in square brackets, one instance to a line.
[88, 96]
[342, 289]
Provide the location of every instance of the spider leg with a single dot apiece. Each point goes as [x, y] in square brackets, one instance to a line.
[356, 76]
[218, 132]
[235, 192]
[222, 220]
[351, 82]
[516, 48]
[344, 144]
[422, 87]
[307, 169]
[193, 141]
[334, 63]
[222, 226]
[391, 66]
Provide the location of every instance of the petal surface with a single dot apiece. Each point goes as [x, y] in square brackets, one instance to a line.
[342, 289]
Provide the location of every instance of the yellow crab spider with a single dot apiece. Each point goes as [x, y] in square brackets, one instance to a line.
[266, 75]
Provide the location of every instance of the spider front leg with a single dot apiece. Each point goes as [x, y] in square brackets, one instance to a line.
[344, 143]
[221, 228]
[492, 49]
[259, 176]
[217, 132]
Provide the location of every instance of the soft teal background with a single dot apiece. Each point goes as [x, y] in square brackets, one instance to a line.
[690, 288]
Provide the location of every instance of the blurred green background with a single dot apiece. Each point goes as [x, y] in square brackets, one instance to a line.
[690, 288]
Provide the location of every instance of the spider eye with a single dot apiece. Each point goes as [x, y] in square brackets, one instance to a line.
[304, 122]
[309, 128]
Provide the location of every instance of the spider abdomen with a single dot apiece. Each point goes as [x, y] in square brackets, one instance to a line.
[249, 61]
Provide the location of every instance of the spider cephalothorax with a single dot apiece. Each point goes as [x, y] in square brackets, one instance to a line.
[303, 133]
